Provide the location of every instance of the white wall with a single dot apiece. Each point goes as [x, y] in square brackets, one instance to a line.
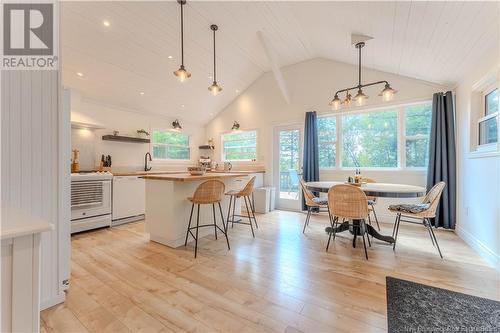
[125, 156]
[478, 212]
[311, 85]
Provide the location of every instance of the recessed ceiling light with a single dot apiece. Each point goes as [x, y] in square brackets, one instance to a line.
[170, 57]
[236, 91]
[141, 93]
[79, 74]
[182, 105]
[106, 23]
[211, 114]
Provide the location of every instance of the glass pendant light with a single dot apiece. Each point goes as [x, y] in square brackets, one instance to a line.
[336, 102]
[360, 98]
[182, 74]
[348, 99]
[214, 88]
[387, 93]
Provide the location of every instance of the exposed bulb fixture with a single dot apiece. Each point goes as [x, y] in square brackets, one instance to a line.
[176, 125]
[182, 74]
[236, 126]
[387, 93]
[214, 88]
[335, 103]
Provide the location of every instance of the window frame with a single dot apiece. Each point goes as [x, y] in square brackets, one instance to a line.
[484, 117]
[401, 135]
[152, 144]
[334, 143]
[223, 154]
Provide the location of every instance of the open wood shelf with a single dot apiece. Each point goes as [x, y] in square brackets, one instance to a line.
[122, 138]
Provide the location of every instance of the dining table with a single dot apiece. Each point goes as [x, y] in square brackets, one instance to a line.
[379, 190]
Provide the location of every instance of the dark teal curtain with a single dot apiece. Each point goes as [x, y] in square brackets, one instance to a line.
[442, 158]
[310, 171]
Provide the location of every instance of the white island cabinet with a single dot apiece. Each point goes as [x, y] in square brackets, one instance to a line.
[167, 207]
[20, 271]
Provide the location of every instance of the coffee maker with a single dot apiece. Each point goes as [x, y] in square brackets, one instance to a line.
[205, 162]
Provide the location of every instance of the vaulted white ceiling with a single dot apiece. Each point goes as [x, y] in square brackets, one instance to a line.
[434, 41]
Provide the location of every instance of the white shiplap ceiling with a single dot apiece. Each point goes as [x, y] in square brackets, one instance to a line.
[434, 41]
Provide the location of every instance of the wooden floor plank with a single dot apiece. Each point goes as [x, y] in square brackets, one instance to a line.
[280, 281]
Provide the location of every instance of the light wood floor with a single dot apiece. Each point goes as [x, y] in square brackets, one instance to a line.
[281, 281]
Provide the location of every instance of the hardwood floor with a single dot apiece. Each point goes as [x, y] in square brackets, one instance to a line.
[281, 281]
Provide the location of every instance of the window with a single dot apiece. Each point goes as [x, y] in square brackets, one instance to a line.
[488, 123]
[369, 140]
[239, 146]
[327, 141]
[170, 145]
[417, 131]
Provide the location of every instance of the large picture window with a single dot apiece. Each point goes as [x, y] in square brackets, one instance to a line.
[327, 141]
[392, 138]
[369, 140]
[239, 146]
[170, 145]
[417, 131]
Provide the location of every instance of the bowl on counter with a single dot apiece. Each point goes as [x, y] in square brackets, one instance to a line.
[196, 171]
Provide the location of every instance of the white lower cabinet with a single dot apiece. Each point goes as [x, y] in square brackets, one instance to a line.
[129, 199]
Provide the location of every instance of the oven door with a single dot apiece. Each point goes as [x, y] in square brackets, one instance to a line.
[90, 198]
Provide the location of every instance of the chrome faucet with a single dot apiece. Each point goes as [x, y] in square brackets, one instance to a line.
[146, 168]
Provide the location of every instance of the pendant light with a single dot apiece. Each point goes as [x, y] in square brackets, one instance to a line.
[360, 98]
[214, 88]
[182, 74]
[176, 125]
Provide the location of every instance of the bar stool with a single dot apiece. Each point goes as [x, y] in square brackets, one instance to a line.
[208, 192]
[312, 202]
[372, 201]
[245, 193]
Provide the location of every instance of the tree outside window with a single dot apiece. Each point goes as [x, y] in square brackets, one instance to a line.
[170, 145]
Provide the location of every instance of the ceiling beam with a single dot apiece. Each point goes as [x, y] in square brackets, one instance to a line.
[271, 56]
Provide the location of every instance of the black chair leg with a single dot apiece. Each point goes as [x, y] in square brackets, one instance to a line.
[197, 227]
[189, 225]
[398, 221]
[376, 218]
[228, 212]
[435, 239]
[306, 222]
[225, 233]
[234, 206]
[252, 207]
[249, 218]
[215, 221]
[394, 227]
[428, 226]
[364, 242]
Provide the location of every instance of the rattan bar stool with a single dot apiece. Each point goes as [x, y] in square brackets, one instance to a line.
[208, 193]
[372, 202]
[312, 201]
[349, 203]
[419, 214]
[246, 194]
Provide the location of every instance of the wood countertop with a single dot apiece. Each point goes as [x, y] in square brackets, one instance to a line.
[147, 173]
[186, 177]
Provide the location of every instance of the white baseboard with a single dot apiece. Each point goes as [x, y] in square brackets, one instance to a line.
[45, 304]
[489, 255]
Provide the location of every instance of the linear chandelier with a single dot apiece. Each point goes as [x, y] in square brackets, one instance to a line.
[360, 99]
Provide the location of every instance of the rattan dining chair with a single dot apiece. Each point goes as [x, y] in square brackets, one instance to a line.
[312, 202]
[349, 203]
[372, 202]
[419, 214]
[208, 193]
[246, 194]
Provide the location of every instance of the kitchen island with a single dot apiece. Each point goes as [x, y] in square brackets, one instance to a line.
[167, 207]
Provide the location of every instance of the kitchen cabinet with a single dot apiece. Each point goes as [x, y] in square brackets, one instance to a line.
[129, 199]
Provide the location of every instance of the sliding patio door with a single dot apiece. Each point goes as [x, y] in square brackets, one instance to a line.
[288, 166]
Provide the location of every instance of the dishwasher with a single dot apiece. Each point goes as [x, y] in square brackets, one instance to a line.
[129, 199]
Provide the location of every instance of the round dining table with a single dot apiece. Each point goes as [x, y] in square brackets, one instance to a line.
[379, 190]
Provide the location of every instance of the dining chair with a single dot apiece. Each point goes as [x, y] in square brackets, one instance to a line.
[246, 194]
[419, 213]
[207, 193]
[311, 201]
[372, 201]
[349, 203]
